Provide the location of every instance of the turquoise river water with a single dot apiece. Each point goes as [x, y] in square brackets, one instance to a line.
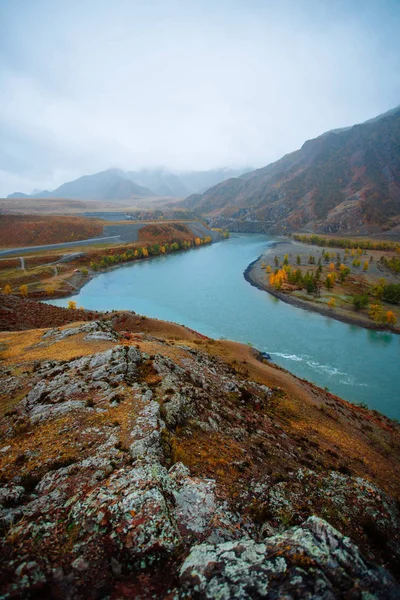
[204, 288]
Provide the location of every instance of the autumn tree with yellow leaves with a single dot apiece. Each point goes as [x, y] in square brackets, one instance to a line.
[331, 303]
[276, 280]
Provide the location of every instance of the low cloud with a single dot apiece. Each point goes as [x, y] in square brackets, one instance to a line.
[85, 86]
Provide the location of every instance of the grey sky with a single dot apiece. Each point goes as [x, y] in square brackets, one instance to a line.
[90, 84]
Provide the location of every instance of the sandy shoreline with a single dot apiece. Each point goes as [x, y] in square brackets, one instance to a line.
[255, 275]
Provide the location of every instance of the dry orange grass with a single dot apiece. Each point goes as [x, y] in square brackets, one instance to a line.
[23, 346]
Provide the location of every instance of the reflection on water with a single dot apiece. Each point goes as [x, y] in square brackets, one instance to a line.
[380, 337]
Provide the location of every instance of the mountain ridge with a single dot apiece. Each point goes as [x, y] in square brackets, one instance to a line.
[345, 180]
[116, 184]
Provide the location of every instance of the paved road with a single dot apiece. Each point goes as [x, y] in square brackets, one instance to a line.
[113, 234]
[11, 251]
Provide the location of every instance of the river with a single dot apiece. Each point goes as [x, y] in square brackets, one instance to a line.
[204, 288]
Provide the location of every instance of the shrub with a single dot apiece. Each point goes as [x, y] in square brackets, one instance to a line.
[360, 301]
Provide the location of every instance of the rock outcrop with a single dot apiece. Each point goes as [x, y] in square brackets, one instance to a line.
[102, 494]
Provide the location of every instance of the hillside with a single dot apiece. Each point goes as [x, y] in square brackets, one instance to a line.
[347, 180]
[32, 230]
[140, 459]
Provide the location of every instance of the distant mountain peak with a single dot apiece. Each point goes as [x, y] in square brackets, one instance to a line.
[116, 184]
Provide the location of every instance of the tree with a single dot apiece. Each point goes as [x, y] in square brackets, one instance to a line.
[391, 318]
[360, 301]
[376, 312]
[317, 288]
[331, 303]
[278, 279]
[329, 282]
[72, 304]
[366, 266]
[298, 259]
[7, 290]
[379, 288]
[23, 290]
[197, 241]
[343, 272]
[286, 259]
[268, 269]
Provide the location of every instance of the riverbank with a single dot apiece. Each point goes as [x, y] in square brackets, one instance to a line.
[46, 273]
[206, 291]
[343, 310]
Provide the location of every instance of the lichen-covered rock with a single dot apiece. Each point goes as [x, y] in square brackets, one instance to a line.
[306, 562]
[354, 504]
[95, 330]
[132, 510]
[195, 505]
[147, 430]
[66, 387]
[115, 466]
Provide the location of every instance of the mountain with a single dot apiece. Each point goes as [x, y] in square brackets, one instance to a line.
[115, 184]
[107, 185]
[346, 180]
[167, 183]
[18, 195]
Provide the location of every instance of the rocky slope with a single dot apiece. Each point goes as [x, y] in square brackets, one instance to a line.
[347, 180]
[139, 459]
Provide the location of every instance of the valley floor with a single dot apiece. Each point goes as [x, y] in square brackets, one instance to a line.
[53, 271]
[343, 309]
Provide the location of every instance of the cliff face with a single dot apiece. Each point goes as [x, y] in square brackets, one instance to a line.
[140, 459]
[343, 181]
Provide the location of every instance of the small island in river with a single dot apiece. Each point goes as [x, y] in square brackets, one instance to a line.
[355, 281]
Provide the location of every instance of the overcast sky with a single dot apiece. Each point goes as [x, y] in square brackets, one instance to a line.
[90, 84]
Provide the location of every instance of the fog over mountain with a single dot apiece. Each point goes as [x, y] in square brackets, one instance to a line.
[195, 86]
[115, 184]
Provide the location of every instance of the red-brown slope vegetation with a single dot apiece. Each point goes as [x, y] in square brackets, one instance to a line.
[35, 230]
[17, 314]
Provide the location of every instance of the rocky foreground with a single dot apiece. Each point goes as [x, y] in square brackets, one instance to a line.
[138, 466]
